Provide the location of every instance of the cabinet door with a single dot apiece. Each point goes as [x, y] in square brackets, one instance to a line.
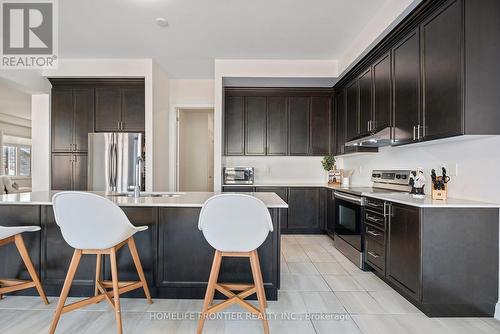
[62, 119]
[79, 172]
[403, 258]
[62, 171]
[133, 112]
[299, 125]
[234, 129]
[330, 212]
[255, 126]
[277, 126]
[84, 117]
[320, 125]
[283, 194]
[365, 101]
[406, 88]
[341, 122]
[442, 72]
[108, 109]
[352, 110]
[382, 93]
[303, 209]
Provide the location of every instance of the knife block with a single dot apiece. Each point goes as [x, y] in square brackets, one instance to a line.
[440, 194]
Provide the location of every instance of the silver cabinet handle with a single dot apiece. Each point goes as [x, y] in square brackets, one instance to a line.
[372, 233]
[373, 219]
[414, 131]
[418, 132]
[374, 255]
[387, 209]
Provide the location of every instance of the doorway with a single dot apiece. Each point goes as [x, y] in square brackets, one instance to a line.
[195, 149]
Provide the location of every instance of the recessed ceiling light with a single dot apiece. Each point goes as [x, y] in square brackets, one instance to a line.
[162, 22]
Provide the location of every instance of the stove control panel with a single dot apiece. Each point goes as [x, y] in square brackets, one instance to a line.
[391, 176]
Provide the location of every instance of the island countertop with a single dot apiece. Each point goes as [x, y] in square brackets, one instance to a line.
[186, 199]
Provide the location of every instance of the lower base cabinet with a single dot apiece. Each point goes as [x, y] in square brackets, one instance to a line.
[307, 207]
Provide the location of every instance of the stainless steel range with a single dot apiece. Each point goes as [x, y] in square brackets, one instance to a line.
[351, 215]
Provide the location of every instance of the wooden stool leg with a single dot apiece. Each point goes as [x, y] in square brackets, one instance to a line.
[137, 261]
[259, 284]
[260, 274]
[209, 294]
[21, 247]
[97, 273]
[116, 292]
[77, 255]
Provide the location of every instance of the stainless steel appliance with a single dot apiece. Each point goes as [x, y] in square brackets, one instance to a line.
[238, 175]
[112, 161]
[351, 206]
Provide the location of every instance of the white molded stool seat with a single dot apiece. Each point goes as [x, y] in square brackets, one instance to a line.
[90, 221]
[94, 225]
[235, 225]
[9, 231]
[12, 234]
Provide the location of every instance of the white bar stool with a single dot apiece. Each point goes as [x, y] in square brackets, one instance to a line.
[235, 225]
[12, 234]
[94, 225]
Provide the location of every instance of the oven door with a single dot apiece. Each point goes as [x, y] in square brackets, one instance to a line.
[348, 210]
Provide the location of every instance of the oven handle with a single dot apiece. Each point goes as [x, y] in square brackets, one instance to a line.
[353, 199]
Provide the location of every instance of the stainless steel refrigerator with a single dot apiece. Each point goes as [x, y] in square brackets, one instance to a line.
[112, 159]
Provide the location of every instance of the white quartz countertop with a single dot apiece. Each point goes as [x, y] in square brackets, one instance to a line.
[428, 202]
[188, 199]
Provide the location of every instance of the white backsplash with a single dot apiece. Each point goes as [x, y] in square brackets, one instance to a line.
[281, 170]
[471, 163]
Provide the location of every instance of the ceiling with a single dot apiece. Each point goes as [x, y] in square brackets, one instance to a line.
[201, 30]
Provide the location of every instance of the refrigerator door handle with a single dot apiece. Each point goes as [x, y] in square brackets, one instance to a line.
[115, 164]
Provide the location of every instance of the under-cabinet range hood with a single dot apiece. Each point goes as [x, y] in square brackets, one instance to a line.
[377, 139]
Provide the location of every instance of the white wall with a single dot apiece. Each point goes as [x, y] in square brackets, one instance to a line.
[385, 19]
[161, 108]
[281, 170]
[40, 147]
[189, 94]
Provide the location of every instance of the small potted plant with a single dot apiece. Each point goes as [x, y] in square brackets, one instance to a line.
[328, 163]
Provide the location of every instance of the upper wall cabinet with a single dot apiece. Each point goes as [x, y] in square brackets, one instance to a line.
[72, 118]
[277, 125]
[436, 75]
[277, 121]
[442, 50]
[120, 108]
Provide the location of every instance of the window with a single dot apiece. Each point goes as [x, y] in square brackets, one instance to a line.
[16, 160]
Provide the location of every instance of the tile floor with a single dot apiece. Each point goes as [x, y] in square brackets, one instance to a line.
[321, 292]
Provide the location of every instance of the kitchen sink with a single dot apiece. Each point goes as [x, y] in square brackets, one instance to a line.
[167, 195]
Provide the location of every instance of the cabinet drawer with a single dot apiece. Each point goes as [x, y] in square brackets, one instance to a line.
[375, 205]
[375, 254]
[375, 219]
[375, 233]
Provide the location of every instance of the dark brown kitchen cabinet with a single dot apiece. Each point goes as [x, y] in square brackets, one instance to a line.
[352, 110]
[382, 85]
[403, 248]
[119, 108]
[277, 125]
[133, 109]
[365, 102]
[320, 125]
[442, 72]
[69, 171]
[340, 128]
[406, 88]
[330, 212]
[72, 118]
[282, 192]
[255, 125]
[234, 125]
[299, 135]
[304, 209]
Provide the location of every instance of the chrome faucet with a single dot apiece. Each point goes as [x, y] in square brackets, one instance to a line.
[138, 177]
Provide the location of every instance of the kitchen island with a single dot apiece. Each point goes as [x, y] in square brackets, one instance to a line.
[174, 254]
